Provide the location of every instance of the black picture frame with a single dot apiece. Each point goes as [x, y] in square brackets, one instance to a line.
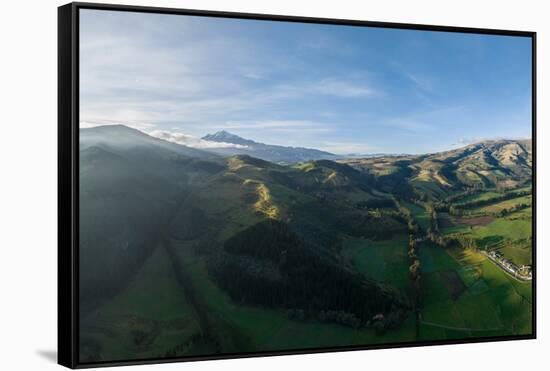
[68, 180]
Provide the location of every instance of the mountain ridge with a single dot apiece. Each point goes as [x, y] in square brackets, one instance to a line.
[268, 152]
[121, 138]
[503, 163]
[227, 137]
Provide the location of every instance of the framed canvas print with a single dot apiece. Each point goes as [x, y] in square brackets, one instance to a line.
[235, 185]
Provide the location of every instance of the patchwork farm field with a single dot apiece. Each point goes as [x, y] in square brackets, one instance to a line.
[464, 294]
[500, 225]
[499, 206]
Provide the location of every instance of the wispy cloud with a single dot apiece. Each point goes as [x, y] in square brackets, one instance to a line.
[175, 70]
[191, 141]
[419, 80]
[422, 82]
[297, 84]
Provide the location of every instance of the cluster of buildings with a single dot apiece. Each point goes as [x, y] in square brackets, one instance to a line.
[523, 272]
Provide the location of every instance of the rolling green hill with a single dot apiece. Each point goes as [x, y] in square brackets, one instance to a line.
[241, 253]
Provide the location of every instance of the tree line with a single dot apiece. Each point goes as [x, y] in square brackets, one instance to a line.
[269, 265]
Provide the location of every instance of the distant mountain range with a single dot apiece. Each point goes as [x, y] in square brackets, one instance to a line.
[268, 152]
[487, 164]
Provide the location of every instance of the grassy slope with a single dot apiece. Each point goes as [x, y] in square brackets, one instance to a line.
[267, 329]
[235, 199]
[504, 227]
[492, 303]
[152, 303]
[515, 238]
[384, 261]
[498, 206]
[480, 196]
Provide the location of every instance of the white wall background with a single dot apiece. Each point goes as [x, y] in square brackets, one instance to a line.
[28, 155]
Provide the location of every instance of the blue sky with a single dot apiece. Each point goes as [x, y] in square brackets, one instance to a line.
[343, 89]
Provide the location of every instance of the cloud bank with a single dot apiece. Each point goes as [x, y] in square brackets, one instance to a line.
[191, 141]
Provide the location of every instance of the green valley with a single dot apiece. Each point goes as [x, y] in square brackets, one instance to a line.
[188, 252]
